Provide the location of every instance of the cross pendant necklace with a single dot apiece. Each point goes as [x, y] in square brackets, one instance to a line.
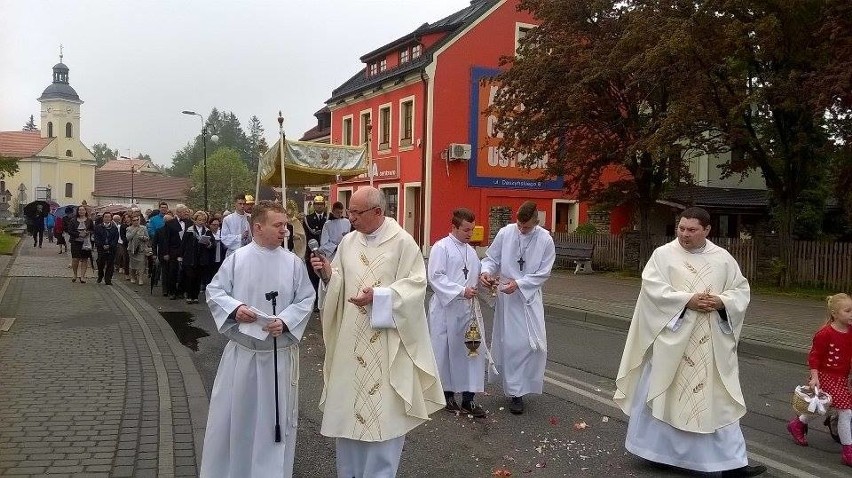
[463, 253]
[465, 271]
[521, 252]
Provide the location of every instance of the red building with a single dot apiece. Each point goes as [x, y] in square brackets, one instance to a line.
[433, 150]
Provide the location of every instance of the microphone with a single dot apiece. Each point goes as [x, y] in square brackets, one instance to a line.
[313, 245]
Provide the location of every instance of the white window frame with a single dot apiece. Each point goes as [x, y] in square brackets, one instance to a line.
[385, 145]
[391, 186]
[416, 51]
[404, 55]
[383, 65]
[363, 131]
[373, 69]
[410, 145]
[519, 28]
[343, 130]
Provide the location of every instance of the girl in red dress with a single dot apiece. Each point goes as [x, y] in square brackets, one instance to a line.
[830, 361]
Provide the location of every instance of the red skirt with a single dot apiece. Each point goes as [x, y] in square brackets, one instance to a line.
[836, 386]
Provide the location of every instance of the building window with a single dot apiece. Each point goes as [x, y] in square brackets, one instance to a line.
[383, 65]
[69, 153]
[407, 123]
[365, 125]
[392, 195]
[416, 51]
[69, 190]
[374, 68]
[50, 129]
[403, 56]
[384, 127]
[347, 131]
[68, 130]
[521, 31]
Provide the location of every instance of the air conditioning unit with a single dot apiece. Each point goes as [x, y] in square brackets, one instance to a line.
[458, 151]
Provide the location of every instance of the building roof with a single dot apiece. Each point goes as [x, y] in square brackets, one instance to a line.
[145, 185]
[60, 88]
[713, 197]
[126, 165]
[453, 24]
[316, 133]
[21, 144]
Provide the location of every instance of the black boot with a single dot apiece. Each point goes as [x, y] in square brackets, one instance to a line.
[517, 405]
[745, 471]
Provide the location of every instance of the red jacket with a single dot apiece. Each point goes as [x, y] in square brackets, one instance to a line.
[831, 351]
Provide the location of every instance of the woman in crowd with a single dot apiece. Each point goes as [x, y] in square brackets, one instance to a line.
[137, 245]
[80, 229]
[195, 251]
[217, 253]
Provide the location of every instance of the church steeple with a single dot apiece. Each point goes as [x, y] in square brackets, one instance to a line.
[60, 105]
[60, 70]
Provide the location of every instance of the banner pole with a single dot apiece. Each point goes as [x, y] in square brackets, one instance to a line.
[281, 152]
[370, 151]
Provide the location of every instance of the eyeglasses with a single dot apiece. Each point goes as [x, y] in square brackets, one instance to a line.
[353, 212]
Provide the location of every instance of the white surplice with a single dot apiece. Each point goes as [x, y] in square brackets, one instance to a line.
[450, 315]
[679, 374]
[518, 341]
[233, 227]
[239, 441]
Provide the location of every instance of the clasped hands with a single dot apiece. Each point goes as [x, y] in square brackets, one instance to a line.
[703, 302]
[490, 282]
[245, 315]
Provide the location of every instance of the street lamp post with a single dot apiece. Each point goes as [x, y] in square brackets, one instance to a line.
[204, 147]
[132, 174]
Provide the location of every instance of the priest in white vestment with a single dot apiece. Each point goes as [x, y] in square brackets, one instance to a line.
[516, 265]
[240, 437]
[236, 230]
[380, 376]
[453, 276]
[679, 374]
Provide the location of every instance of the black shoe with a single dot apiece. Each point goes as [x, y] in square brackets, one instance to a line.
[744, 471]
[452, 406]
[173, 297]
[517, 405]
[472, 409]
[100, 279]
[109, 282]
[831, 423]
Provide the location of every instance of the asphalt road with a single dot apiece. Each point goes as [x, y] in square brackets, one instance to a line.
[573, 429]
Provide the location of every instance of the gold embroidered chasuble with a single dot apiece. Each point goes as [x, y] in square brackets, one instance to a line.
[379, 383]
[694, 367]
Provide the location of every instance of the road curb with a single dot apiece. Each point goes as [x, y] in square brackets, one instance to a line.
[747, 345]
[196, 395]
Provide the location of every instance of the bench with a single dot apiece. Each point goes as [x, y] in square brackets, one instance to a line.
[581, 254]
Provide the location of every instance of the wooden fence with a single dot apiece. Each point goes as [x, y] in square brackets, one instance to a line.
[609, 248]
[823, 264]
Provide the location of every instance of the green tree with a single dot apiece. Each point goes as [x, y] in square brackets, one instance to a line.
[227, 175]
[770, 85]
[595, 89]
[103, 153]
[229, 134]
[256, 142]
[30, 126]
[8, 166]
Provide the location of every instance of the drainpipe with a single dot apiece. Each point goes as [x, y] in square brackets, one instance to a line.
[424, 78]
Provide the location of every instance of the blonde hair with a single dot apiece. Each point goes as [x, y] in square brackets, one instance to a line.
[202, 214]
[832, 303]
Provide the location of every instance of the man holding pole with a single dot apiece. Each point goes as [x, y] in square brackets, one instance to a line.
[240, 440]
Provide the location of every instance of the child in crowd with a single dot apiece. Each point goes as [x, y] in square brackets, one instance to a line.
[830, 361]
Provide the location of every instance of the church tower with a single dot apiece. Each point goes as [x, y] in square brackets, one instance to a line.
[60, 108]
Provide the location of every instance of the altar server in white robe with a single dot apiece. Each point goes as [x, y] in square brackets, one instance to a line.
[333, 231]
[517, 264]
[239, 441]
[453, 275]
[236, 229]
[380, 377]
[679, 374]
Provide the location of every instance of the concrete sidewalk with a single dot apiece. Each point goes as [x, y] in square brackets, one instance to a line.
[775, 327]
[94, 381]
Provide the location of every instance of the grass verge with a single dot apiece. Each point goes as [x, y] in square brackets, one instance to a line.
[7, 243]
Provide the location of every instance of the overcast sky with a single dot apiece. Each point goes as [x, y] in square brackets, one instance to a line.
[137, 65]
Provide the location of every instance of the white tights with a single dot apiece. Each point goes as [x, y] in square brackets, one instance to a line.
[844, 424]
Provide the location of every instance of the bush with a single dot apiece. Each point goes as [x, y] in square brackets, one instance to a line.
[586, 228]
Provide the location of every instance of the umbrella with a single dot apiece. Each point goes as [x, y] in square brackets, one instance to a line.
[64, 211]
[31, 209]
